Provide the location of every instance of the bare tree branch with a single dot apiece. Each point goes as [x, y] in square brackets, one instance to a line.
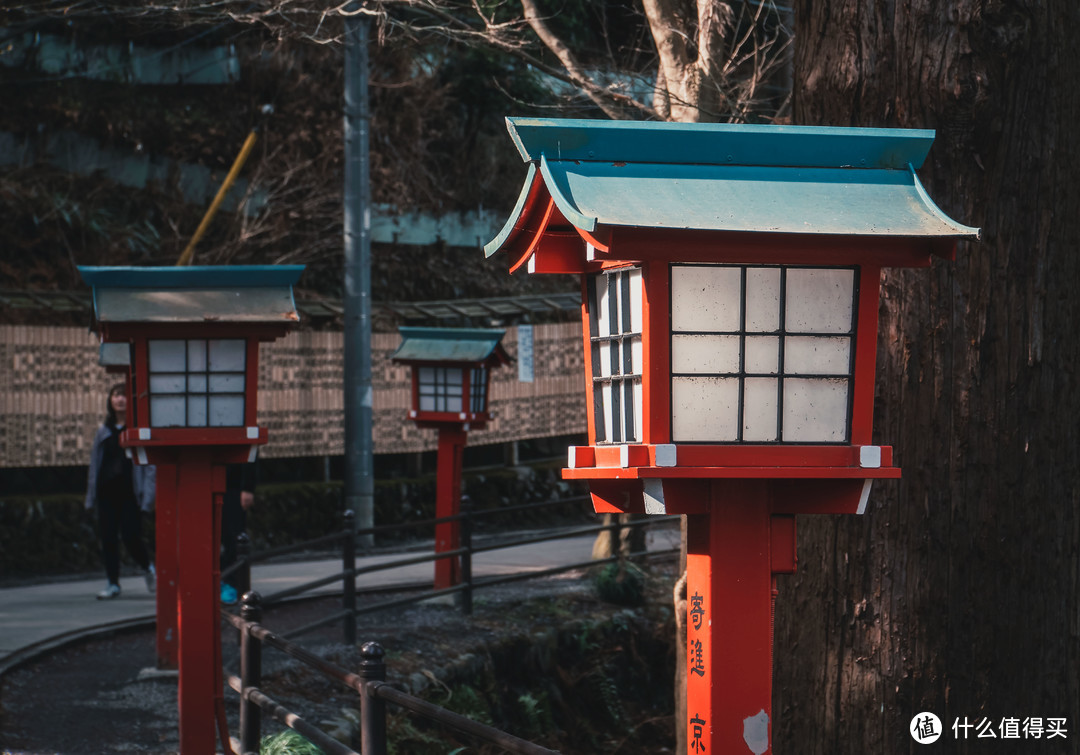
[711, 61]
[600, 96]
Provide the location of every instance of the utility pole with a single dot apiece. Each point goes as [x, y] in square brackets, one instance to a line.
[359, 465]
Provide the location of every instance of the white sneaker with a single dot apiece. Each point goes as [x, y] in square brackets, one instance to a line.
[151, 579]
[110, 592]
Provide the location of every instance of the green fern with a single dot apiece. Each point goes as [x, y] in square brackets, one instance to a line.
[288, 742]
[605, 694]
[536, 712]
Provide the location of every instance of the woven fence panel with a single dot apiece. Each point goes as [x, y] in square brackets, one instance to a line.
[53, 394]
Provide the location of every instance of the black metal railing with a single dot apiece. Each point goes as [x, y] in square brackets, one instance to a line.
[369, 682]
[468, 518]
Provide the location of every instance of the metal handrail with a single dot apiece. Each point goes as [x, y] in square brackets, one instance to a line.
[562, 533]
[370, 683]
[284, 716]
[349, 572]
[526, 506]
[282, 550]
[558, 534]
[300, 589]
[506, 578]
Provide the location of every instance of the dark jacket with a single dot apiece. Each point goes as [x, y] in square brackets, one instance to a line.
[144, 478]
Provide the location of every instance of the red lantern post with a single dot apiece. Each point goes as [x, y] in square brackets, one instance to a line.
[193, 336]
[730, 281]
[167, 565]
[451, 373]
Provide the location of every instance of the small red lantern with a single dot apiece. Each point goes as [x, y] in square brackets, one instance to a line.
[451, 375]
[193, 338]
[730, 280]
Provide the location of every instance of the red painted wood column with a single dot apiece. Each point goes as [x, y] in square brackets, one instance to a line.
[197, 600]
[729, 622]
[165, 564]
[448, 503]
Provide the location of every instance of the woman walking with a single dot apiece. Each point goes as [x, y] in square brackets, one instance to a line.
[120, 491]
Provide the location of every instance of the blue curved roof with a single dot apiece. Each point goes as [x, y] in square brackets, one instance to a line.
[728, 178]
[200, 294]
[468, 345]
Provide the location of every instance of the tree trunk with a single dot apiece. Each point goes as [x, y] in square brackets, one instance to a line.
[957, 593]
[689, 51]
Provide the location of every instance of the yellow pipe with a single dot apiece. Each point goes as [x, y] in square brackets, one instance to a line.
[189, 251]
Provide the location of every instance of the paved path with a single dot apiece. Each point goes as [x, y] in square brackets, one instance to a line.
[44, 615]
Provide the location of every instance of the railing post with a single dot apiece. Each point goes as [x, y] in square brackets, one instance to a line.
[466, 555]
[243, 555]
[372, 709]
[250, 673]
[348, 559]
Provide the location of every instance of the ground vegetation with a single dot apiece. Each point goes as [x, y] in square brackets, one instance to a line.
[544, 659]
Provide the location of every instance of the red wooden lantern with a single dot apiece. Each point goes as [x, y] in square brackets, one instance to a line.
[730, 280]
[451, 374]
[193, 338]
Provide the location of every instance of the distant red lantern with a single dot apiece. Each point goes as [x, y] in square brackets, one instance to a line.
[730, 279]
[451, 375]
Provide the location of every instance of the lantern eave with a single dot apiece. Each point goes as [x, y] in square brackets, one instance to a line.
[528, 198]
[607, 181]
[599, 198]
[250, 296]
[461, 346]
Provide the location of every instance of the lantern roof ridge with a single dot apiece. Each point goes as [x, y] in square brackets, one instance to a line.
[470, 345]
[665, 142]
[194, 276]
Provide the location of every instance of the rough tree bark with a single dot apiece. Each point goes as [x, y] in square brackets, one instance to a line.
[957, 593]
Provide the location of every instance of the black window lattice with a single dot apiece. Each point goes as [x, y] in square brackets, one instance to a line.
[782, 333]
[195, 389]
[440, 389]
